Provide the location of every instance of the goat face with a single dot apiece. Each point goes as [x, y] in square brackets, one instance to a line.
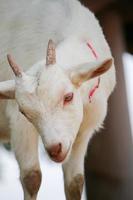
[62, 110]
[51, 100]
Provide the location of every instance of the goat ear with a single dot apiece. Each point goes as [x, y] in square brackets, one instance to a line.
[89, 70]
[7, 89]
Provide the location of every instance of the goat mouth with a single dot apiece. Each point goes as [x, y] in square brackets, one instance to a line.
[59, 158]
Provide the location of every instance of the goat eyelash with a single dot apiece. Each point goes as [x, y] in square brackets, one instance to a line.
[68, 98]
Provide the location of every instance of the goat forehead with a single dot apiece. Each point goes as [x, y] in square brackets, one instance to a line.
[52, 75]
[53, 87]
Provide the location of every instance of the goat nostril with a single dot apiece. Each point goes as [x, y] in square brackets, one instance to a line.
[55, 150]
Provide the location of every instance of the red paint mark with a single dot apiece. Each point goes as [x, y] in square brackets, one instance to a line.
[93, 90]
[92, 49]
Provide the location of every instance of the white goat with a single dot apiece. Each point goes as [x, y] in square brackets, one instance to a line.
[62, 98]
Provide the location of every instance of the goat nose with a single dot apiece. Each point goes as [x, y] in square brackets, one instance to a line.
[55, 151]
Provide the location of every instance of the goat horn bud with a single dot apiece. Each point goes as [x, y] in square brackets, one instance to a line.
[16, 69]
[51, 53]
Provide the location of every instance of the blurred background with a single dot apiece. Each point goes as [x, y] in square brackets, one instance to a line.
[109, 160]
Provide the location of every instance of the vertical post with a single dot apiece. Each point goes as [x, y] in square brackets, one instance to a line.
[110, 153]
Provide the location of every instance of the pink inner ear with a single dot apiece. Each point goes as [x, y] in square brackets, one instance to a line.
[7, 95]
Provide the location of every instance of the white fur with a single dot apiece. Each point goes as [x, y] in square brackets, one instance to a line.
[25, 28]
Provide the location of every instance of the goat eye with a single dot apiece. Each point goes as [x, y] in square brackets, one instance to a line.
[68, 98]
